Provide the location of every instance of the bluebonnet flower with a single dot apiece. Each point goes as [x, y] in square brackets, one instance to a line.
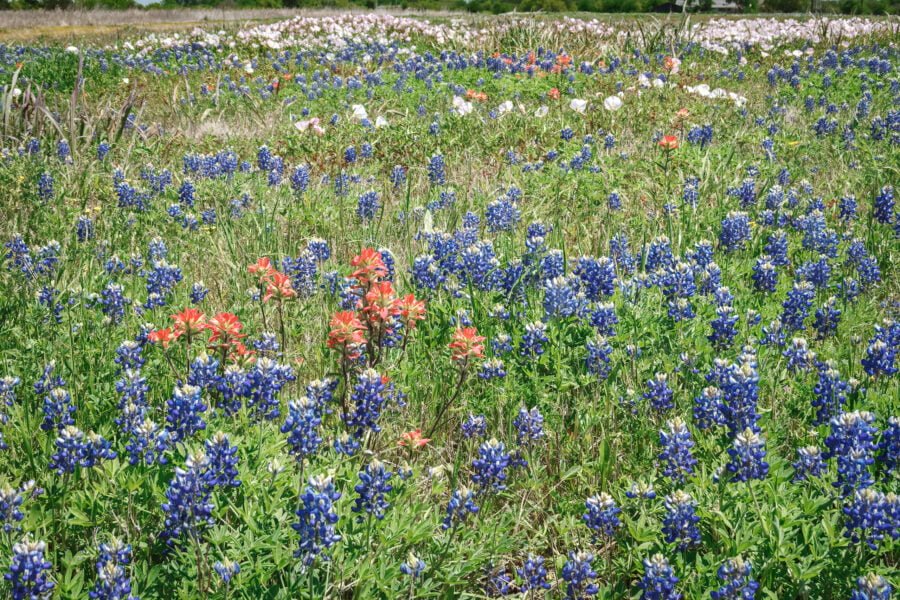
[147, 444]
[809, 463]
[659, 393]
[58, 409]
[161, 280]
[489, 469]
[113, 302]
[317, 516]
[882, 350]
[533, 574]
[552, 264]
[890, 445]
[745, 193]
[723, 328]
[799, 356]
[776, 248]
[597, 276]
[883, 205]
[831, 393]
[198, 292]
[28, 572]
[796, 306]
[529, 426]
[367, 399]
[579, 576]
[113, 582]
[45, 186]
[474, 426]
[319, 249]
[84, 228]
[602, 515]
[659, 255]
[414, 566]
[659, 580]
[498, 582]
[604, 319]
[300, 179]
[852, 444]
[436, 173]
[747, 457]
[739, 585]
[680, 522]
[102, 150]
[614, 201]
[708, 408]
[227, 569]
[398, 176]
[533, 340]
[866, 518]
[735, 231]
[96, 449]
[184, 413]
[765, 275]
[817, 272]
[872, 587]
[302, 427]
[701, 135]
[491, 369]
[223, 460]
[460, 507]
[502, 343]
[368, 206]
[848, 208]
[599, 353]
[372, 488]
[204, 372]
[641, 490]
[502, 215]
[827, 318]
[561, 297]
[70, 452]
[188, 507]
[346, 444]
[11, 500]
[676, 453]
[266, 379]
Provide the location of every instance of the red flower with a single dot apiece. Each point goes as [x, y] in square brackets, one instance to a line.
[162, 336]
[554, 93]
[262, 268]
[240, 355]
[466, 344]
[279, 287]
[668, 143]
[226, 329]
[381, 302]
[346, 330]
[189, 322]
[411, 310]
[413, 439]
[369, 267]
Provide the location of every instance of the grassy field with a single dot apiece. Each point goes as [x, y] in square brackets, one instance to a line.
[389, 307]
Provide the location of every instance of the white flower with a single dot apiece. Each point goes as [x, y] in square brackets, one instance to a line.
[72, 50]
[313, 124]
[16, 92]
[359, 112]
[505, 107]
[541, 112]
[248, 68]
[578, 105]
[461, 107]
[380, 122]
[613, 103]
[126, 81]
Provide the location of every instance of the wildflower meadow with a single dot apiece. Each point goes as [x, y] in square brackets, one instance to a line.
[376, 306]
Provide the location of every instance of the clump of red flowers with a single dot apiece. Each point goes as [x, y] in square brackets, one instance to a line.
[224, 328]
[379, 316]
[668, 143]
